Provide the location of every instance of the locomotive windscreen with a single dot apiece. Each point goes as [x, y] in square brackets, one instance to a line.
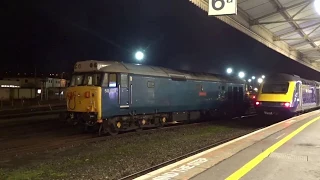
[86, 79]
[275, 88]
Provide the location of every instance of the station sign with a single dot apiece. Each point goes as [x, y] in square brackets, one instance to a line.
[222, 7]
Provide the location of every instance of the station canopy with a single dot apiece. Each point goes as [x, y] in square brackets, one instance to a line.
[290, 27]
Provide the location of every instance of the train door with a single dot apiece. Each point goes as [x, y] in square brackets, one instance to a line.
[235, 96]
[296, 100]
[317, 95]
[230, 95]
[240, 95]
[299, 87]
[124, 91]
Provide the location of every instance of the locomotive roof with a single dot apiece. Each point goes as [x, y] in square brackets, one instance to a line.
[278, 77]
[115, 66]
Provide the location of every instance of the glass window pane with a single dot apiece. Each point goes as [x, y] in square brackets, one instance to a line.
[105, 80]
[124, 80]
[113, 80]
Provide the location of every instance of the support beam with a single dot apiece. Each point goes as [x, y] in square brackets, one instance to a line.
[310, 49]
[294, 24]
[283, 21]
[315, 39]
[306, 37]
[314, 30]
[308, 3]
[298, 29]
[282, 9]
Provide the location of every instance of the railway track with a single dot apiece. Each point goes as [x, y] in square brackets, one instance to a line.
[44, 143]
[72, 141]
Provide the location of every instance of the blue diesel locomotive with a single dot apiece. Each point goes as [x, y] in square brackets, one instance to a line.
[120, 97]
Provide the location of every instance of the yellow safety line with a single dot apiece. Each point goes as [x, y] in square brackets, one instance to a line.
[254, 162]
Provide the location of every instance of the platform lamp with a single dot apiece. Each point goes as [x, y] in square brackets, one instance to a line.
[229, 70]
[241, 74]
[139, 55]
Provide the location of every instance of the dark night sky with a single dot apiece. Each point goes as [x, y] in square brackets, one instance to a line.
[54, 35]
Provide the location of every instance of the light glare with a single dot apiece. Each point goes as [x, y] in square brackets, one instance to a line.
[139, 55]
[317, 6]
[241, 74]
[229, 70]
[260, 80]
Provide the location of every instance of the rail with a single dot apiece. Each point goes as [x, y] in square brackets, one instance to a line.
[33, 112]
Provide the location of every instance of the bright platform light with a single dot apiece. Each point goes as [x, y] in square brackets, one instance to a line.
[139, 55]
[241, 74]
[260, 80]
[229, 70]
[317, 6]
[249, 80]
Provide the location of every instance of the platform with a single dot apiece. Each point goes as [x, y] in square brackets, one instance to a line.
[287, 150]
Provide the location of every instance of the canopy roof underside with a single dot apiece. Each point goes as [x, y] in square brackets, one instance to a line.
[291, 27]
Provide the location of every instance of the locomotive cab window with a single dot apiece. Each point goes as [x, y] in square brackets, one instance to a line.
[92, 80]
[86, 79]
[112, 80]
[275, 88]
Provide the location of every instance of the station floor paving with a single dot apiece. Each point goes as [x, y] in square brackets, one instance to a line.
[287, 150]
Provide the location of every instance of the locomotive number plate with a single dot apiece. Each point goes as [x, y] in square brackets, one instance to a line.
[268, 113]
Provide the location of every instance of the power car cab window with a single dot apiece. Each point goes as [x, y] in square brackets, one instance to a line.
[275, 88]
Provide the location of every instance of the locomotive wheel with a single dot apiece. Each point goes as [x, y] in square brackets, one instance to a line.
[112, 129]
[162, 121]
[107, 127]
[138, 127]
[158, 122]
[101, 130]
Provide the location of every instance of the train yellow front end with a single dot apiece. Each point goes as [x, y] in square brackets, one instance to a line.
[84, 95]
[284, 94]
[276, 98]
[84, 104]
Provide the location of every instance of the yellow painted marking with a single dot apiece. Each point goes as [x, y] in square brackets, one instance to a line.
[254, 162]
